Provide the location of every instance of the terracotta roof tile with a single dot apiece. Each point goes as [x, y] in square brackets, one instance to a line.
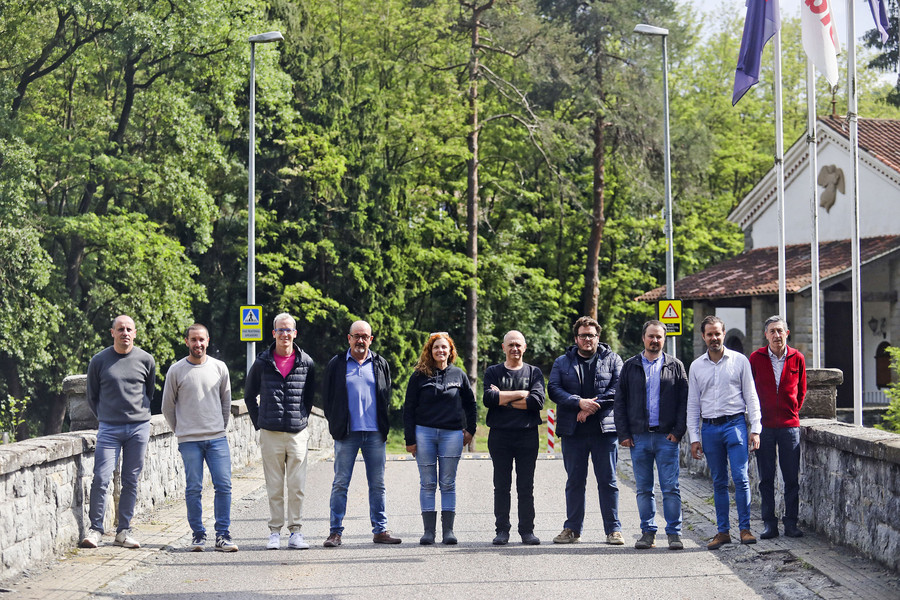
[880, 137]
[755, 273]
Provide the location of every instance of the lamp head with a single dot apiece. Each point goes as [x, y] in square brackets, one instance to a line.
[262, 38]
[650, 30]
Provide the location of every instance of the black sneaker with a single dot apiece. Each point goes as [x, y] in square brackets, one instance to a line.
[224, 544]
[198, 542]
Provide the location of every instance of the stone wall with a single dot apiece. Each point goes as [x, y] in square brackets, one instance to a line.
[849, 486]
[45, 484]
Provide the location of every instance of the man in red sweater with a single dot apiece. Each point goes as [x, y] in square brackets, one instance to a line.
[780, 376]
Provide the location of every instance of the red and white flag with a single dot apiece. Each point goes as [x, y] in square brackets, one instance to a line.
[820, 40]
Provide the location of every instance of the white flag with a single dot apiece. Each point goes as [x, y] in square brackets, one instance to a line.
[820, 38]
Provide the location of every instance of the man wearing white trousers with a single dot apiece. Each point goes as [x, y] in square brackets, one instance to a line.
[279, 396]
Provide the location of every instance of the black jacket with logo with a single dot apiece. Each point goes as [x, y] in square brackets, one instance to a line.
[443, 401]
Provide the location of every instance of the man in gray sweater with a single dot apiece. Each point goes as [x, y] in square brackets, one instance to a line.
[197, 404]
[120, 383]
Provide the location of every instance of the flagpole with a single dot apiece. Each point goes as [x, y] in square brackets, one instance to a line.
[779, 176]
[811, 149]
[852, 109]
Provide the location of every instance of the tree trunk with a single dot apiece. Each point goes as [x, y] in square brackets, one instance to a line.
[598, 220]
[56, 415]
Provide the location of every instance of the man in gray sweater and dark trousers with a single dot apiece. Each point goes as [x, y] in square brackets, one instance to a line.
[120, 383]
[197, 405]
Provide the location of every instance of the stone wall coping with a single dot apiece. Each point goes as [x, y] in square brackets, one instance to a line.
[49, 448]
[870, 443]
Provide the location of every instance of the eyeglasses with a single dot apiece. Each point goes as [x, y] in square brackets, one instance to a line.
[438, 333]
[361, 337]
[284, 331]
[586, 336]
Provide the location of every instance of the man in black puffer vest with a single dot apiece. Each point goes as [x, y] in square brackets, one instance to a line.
[283, 379]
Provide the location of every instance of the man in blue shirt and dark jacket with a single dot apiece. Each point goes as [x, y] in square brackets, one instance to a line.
[651, 419]
[583, 386]
[357, 394]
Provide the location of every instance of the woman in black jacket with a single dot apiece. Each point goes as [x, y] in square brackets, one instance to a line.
[438, 418]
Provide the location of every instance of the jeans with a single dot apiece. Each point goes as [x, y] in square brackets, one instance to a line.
[723, 444]
[218, 458]
[650, 447]
[345, 451]
[603, 453]
[520, 446]
[785, 443]
[131, 439]
[284, 464]
[437, 455]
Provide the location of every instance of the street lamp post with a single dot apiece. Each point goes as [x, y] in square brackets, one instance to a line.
[262, 38]
[670, 252]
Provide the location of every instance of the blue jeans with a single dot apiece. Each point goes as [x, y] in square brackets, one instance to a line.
[723, 444]
[218, 457]
[345, 452]
[437, 455]
[603, 452]
[650, 447]
[785, 443]
[131, 439]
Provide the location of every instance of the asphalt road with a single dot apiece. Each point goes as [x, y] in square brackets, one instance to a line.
[474, 568]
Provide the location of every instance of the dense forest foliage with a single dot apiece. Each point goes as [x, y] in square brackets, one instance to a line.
[428, 165]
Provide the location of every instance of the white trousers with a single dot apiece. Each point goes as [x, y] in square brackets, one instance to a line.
[284, 463]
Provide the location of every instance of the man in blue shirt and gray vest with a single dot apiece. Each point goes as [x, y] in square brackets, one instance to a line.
[357, 395]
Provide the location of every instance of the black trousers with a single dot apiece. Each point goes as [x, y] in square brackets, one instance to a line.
[506, 447]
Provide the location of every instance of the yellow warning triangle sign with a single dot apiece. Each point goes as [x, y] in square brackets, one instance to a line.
[670, 313]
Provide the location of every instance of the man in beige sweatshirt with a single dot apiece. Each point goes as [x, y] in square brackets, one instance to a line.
[197, 404]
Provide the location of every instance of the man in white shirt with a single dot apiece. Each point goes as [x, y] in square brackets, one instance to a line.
[720, 392]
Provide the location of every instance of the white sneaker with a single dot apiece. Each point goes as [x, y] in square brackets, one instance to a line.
[124, 539]
[92, 539]
[274, 541]
[297, 542]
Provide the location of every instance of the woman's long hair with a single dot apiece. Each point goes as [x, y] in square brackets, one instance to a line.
[426, 364]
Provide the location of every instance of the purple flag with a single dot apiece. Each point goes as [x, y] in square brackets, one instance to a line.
[763, 20]
[879, 13]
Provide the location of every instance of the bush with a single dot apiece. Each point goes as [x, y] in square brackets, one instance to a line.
[891, 421]
[12, 411]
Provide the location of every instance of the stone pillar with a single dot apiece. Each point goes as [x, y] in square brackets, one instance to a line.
[80, 415]
[821, 393]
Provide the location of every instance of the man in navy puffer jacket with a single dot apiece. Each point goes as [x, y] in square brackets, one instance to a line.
[583, 386]
[283, 377]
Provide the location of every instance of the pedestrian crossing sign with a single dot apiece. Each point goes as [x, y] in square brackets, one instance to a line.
[670, 315]
[251, 324]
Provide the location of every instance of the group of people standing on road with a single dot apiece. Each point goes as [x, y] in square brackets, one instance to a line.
[646, 404]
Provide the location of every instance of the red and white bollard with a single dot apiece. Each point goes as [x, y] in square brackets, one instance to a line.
[551, 431]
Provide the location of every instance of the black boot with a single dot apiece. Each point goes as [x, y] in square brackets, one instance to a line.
[447, 518]
[429, 519]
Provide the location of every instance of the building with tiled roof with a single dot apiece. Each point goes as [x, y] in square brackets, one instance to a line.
[743, 290]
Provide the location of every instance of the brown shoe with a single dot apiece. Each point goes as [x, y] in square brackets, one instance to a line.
[333, 541]
[385, 538]
[747, 537]
[722, 538]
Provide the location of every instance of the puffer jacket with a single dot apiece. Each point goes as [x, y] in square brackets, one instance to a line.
[565, 388]
[284, 402]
